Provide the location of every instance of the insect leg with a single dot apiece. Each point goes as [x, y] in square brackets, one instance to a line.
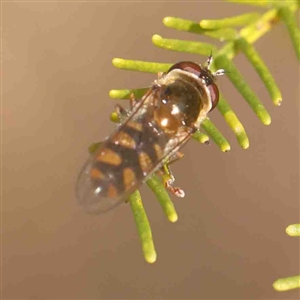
[168, 177]
[168, 180]
[209, 60]
[133, 101]
[178, 155]
[122, 112]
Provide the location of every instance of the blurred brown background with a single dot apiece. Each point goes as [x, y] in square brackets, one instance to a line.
[229, 241]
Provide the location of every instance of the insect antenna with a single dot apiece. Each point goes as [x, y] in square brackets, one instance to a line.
[209, 60]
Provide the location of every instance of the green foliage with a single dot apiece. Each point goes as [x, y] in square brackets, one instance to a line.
[234, 40]
[143, 226]
[293, 282]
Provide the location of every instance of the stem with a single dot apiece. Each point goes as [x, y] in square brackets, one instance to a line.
[290, 21]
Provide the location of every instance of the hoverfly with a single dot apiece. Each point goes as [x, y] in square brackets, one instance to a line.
[150, 136]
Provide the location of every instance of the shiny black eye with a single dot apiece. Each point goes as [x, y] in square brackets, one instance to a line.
[187, 66]
[214, 95]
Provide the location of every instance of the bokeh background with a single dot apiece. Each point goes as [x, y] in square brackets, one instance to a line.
[229, 241]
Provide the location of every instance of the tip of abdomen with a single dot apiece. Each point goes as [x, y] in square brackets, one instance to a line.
[95, 195]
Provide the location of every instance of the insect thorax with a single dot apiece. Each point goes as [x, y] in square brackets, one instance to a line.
[183, 101]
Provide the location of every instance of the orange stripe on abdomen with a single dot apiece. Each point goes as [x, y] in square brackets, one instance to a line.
[110, 157]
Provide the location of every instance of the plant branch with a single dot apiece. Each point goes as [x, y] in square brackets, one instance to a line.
[288, 16]
[257, 25]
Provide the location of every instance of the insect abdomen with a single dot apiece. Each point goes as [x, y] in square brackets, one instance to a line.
[122, 164]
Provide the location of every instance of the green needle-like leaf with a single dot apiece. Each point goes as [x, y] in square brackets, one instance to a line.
[293, 230]
[252, 2]
[265, 24]
[222, 34]
[215, 135]
[243, 88]
[233, 122]
[201, 137]
[142, 66]
[290, 21]
[289, 283]
[183, 25]
[125, 94]
[143, 227]
[261, 69]
[163, 197]
[286, 284]
[235, 21]
[183, 46]
[114, 117]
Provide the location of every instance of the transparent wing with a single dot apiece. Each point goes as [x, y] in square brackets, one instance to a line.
[88, 195]
[91, 195]
[141, 148]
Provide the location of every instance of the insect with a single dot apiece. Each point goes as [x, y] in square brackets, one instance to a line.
[150, 136]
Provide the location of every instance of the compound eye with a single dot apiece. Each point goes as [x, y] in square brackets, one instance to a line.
[187, 66]
[214, 95]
